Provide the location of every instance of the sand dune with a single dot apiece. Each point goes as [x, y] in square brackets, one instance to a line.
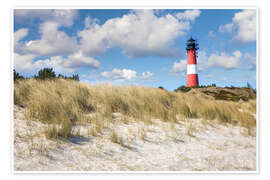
[156, 147]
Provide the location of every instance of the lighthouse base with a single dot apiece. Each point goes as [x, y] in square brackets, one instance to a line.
[192, 80]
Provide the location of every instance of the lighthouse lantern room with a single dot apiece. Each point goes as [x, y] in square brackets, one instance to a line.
[192, 76]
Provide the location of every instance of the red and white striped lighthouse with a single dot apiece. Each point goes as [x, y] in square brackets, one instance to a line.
[192, 76]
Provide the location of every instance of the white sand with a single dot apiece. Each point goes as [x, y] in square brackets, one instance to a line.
[219, 148]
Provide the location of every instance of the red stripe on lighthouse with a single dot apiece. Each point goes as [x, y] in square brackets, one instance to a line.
[192, 80]
[192, 56]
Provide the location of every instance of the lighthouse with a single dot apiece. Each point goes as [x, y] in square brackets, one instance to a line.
[192, 76]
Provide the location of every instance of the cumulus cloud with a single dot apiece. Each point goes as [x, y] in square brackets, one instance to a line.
[69, 64]
[246, 23]
[19, 35]
[224, 60]
[189, 14]
[251, 60]
[243, 26]
[72, 63]
[179, 66]
[204, 61]
[52, 43]
[62, 17]
[226, 28]
[139, 33]
[24, 63]
[115, 74]
[90, 22]
[147, 75]
[211, 34]
[63, 52]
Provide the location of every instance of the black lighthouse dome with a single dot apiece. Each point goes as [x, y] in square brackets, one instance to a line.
[192, 44]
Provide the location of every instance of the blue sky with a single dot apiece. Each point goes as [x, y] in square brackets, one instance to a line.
[141, 47]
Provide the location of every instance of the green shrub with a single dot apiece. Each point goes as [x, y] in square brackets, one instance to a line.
[74, 77]
[17, 76]
[183, 89]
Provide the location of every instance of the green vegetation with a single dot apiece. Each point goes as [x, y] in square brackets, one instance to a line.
[183, 89]
[161, 87]
[45, 74]
[187, 89]
[73, 77]
[17, 76]
[227, 93]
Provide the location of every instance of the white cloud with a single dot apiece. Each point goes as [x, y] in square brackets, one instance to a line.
[90, 22]
[202, 60]
[147, 75]
[116, 74]
[73, 62]
[251, 60]
[24, 63]
[246, 22]
[226, 28]
[62, 17]
[179, 66]
[70, 64]
[52, 43]
[243, 26]
[139, 33]
[224, 60]
[93, 40]
[205, 62]
[189, 14]
[19, 35]
[211, 34]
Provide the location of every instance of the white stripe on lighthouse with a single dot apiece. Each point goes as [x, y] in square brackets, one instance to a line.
[191, 69]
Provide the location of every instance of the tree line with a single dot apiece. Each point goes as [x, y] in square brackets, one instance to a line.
[45, 73]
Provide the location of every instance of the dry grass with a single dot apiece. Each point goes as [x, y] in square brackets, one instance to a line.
[143, 134]
[64, 103]
[115, 138]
